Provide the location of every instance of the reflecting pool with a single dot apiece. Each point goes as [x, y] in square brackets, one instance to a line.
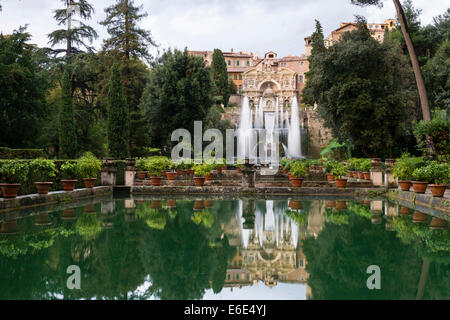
[295, 249]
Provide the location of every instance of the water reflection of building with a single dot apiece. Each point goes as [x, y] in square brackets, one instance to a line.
[269, 250]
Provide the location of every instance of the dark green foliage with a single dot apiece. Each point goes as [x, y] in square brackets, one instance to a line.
[438, 128]
[364, 93]
[67, 134]
[118, 117]
[79, 33]
[219, 76]
[7, 153]
[22, 92]
[177, 94]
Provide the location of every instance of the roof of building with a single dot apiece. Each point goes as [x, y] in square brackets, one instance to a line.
[238, 69]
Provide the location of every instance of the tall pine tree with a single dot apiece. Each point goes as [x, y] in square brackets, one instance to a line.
[127, 44]
[118, 117]
[219, 76]
[67, 134]
[73, 35]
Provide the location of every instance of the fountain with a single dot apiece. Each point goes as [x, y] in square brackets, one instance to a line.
[269, 126]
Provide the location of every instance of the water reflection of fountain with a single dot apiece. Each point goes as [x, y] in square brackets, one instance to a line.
[261, 133]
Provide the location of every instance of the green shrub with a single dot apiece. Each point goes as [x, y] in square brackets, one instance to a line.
[202, 170]
[433, 172]
[422, 174]
[42, 170]
[438, 129]
[329, 165]
[14, 171]
[156, 165]
[88, 226]
[339, 170]
[89, 166]
[68, 170]
[404, 166]
[141, 164]
[365, 165]
[7, 153]
[298, 169]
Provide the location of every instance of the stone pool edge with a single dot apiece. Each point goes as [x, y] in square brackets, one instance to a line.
[52, 198]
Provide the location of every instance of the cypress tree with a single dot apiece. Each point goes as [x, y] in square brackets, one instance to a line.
[118, 117]
[219, 76]
[67, 133]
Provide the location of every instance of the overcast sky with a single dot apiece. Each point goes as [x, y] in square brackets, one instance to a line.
[247, 25]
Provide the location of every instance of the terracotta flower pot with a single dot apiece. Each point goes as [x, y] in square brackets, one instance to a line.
[419, 217]
[361, 175]
[90, 208]
[219, 171]
[437, 223]
[9, 227]
[199, 181]
[239, 170]
[179, 172]
[10, 190]
[405, 211]
[331, 204]
[156, 181]
[199, 205]
[208, 203]
[68, 185]
[419, 186]
[42, 219]
[69, 214]
[366, 202]
[171, 175]
[341, 183]
[341, 205]
[438, 190]
[366, 175]
[43, 187]
[141, 175]
[320, 168]
[89, 182]
[190, 171]
[156, 204]
[330, 177]
[295, 205]
[208, 177]
[296, 182]
[171, 204]
[405, 185]
[290, 176]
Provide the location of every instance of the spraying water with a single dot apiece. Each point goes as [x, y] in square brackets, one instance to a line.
[294, 142]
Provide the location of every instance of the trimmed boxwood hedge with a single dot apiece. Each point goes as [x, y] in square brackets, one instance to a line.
[7, 153]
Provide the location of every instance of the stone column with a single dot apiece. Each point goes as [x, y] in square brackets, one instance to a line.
[130, 172]
[376, 208]
[389, 181]
[108, 174]
[248, 175]
[376, 173]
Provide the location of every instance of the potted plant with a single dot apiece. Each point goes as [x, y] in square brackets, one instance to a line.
[41, 171]
[339, 171]
[12, 173]
[351, 165]
[365, 166]
[422, 176]
[440, 176]
[89, 167]
[404, 168]
[171, 174]
[239, 165]
[329, 164]
[298, 172]
[69, 171]
[200, 172]
[155, 167]
[140, 166]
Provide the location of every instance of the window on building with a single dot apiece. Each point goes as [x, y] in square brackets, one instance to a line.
[229, 62]
[248, 62]
[300, 78]
[240, 77]
[240, 89]
[283, 64]
[228, 276]
[237, 62]
[235, 76]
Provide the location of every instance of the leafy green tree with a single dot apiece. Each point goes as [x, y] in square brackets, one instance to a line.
[363, 92]
[67, 133]
[118, 117]
[78, 35]
[22, 92]
[178, 91]
[219, 76]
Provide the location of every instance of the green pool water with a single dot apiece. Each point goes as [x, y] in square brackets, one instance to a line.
[143, 248]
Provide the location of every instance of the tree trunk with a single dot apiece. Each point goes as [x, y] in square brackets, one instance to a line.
[424, 104]
[415, 62]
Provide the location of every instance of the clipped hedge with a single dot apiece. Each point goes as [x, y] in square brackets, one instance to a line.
[7, 153]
